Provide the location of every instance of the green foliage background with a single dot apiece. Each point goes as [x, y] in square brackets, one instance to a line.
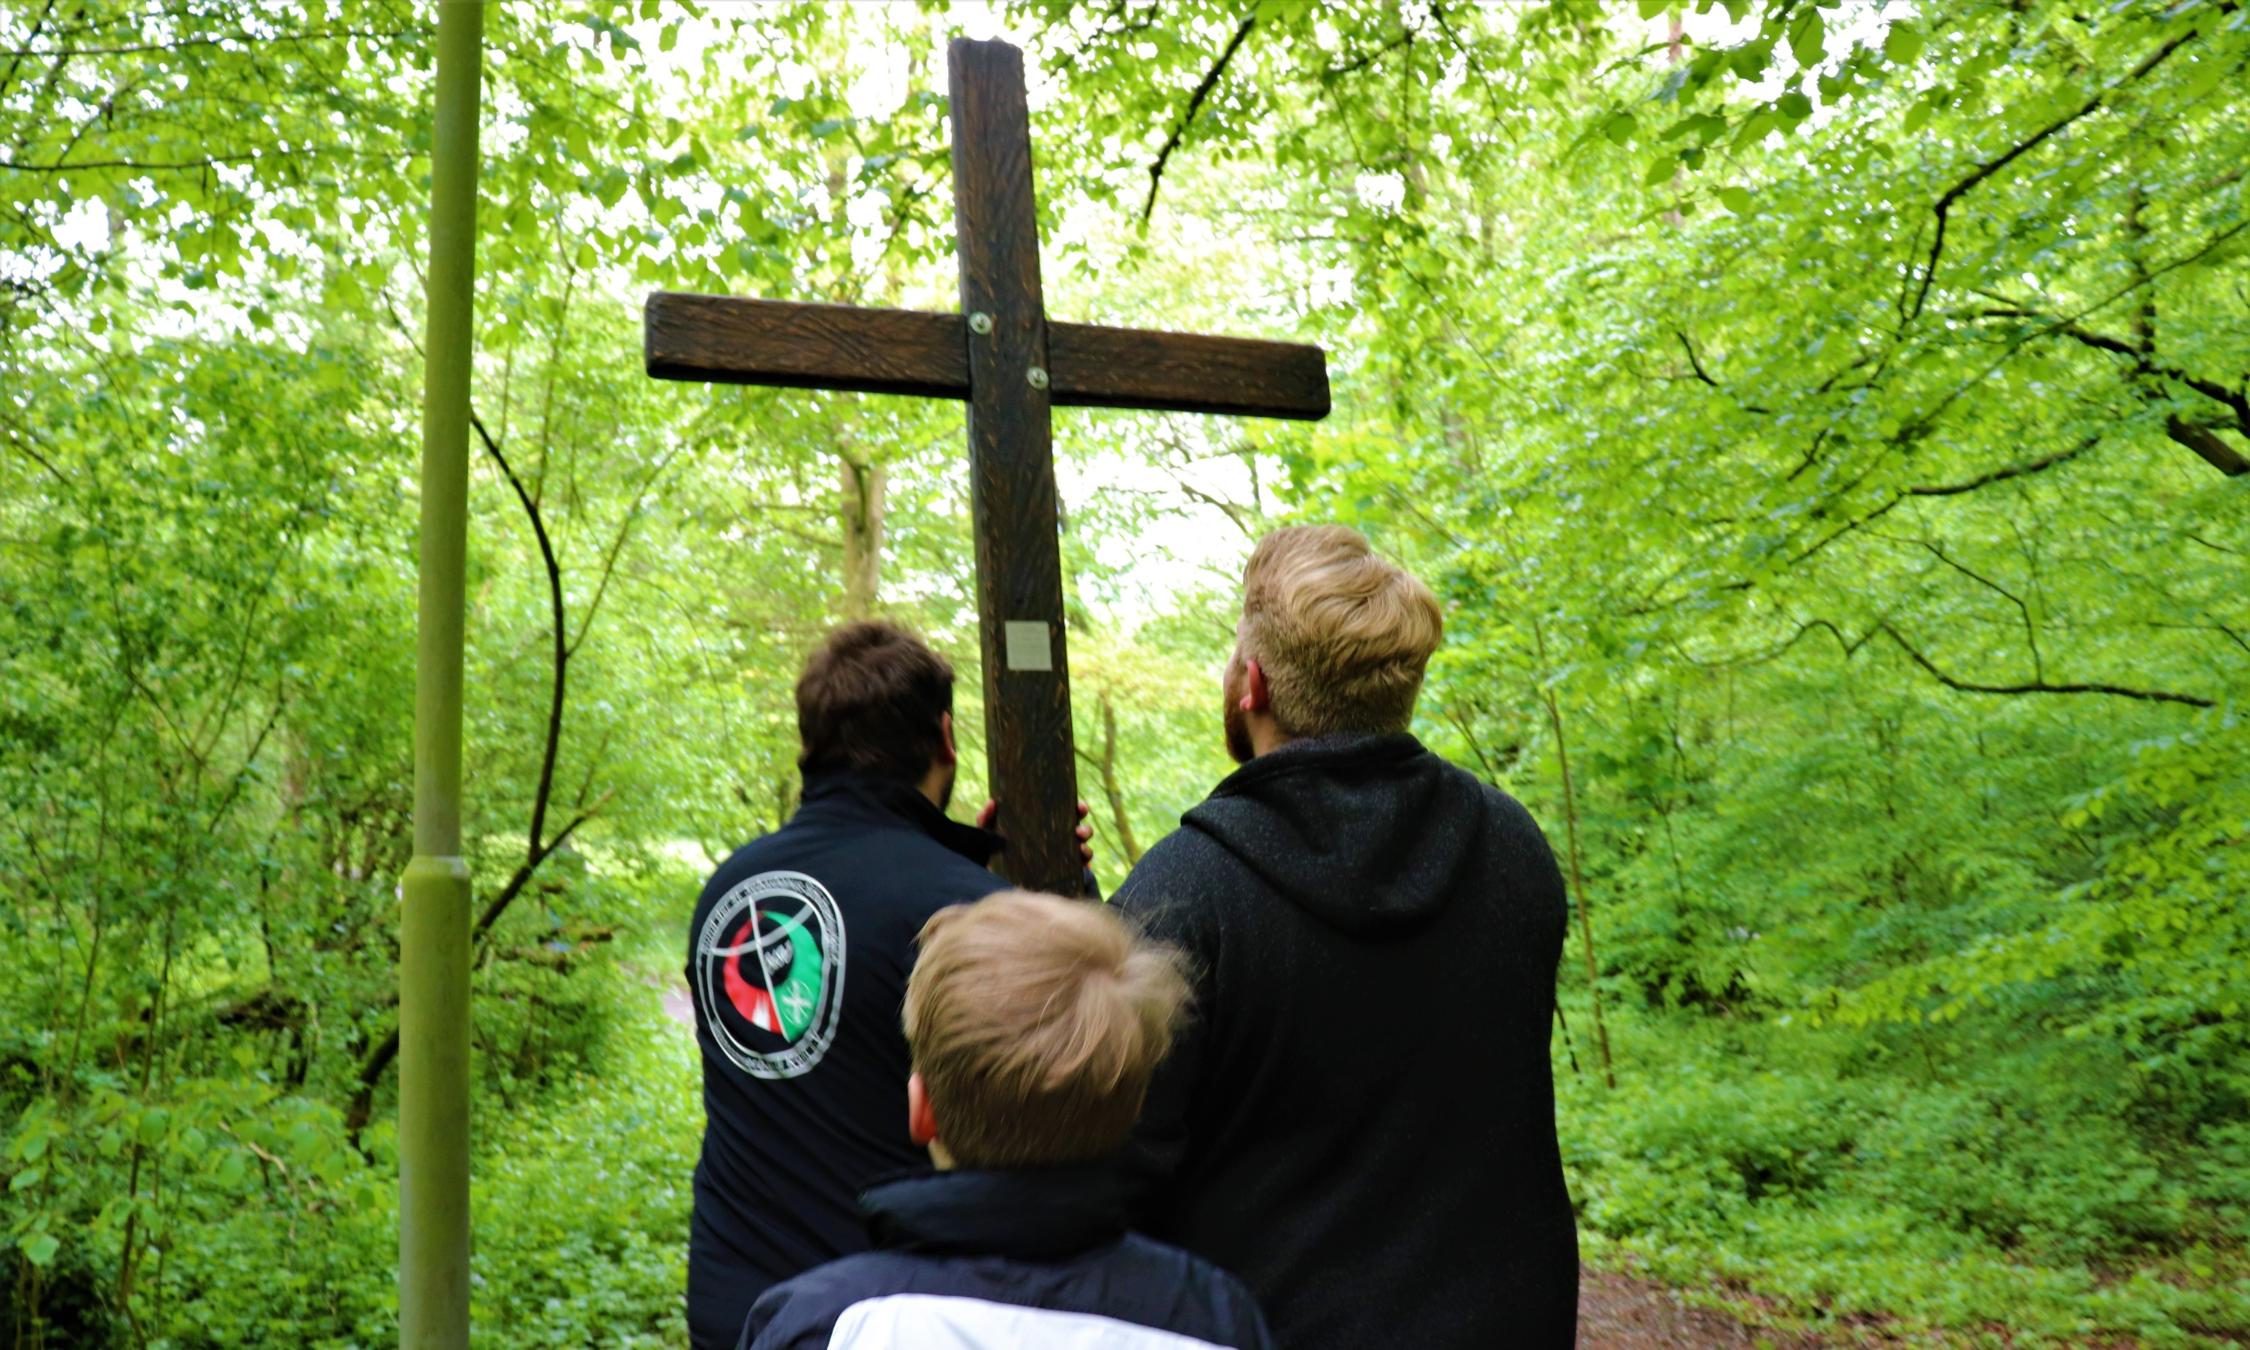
[1826, 424]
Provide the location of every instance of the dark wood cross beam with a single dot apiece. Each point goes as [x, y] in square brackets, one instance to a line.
[1011, 365]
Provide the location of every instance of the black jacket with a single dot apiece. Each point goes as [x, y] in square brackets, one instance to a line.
[797, 964]
[1361, 1121]
[1024, 1260]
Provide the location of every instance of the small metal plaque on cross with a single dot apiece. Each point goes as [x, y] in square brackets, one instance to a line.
[1012, 366]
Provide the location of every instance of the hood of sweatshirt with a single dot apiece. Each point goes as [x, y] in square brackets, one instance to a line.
[1369, 834]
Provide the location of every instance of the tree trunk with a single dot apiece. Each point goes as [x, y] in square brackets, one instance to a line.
[1578, 888]
[1111, 788]
[860, 508]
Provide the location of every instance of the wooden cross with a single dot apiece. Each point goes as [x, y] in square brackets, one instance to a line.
[1011, 365]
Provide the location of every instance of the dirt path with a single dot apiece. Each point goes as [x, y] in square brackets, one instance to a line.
[1618, 1312]
[679, 1005]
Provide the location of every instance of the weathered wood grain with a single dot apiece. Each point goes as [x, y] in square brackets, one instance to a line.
[898, 351]
[776, 342]
[1099, 367]
[1032, 759]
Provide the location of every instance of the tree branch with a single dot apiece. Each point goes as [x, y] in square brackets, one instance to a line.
[1469, 59]
[537, 851]
[2030, 629]
[2143, 359]
[617, 545]
[521, 877]
[1990, 167]
[1195, 105]
[2036, 686]
[15, 61]
[2206, 443]
[212, 40]
[144, 166]
[1840, 531]
[534, 851]
[1367, 58]
[1936, 490]
[1226, 508]
[20, 442]
[1923, 421]
[1695, 363]
[2011, 471]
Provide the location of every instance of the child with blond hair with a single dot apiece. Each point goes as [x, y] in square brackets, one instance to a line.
[1035, 1024]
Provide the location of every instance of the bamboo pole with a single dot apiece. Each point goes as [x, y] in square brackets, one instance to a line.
[433, 1080]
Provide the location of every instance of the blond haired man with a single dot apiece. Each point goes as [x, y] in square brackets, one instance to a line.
[1360, 1122]
[1035, 1024]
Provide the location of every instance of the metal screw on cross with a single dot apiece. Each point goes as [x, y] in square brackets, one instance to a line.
[1012, 366]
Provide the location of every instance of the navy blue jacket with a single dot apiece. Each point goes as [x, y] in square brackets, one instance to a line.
[797, 964]
[1360, 1122]
[1019, 1260]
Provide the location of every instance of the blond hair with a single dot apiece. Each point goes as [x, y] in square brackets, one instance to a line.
[1342, 635]
[1036, 1023]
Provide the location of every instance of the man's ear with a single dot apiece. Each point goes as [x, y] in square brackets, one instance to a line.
[947, 754]
[921, 1122]
[1254, 696]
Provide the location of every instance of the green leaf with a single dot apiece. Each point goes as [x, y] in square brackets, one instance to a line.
[40, 1249]
[1704, 127]
[1794, 105]
[1653, 8]
[1620, 127]
[1808, 41]
[1902, 45]
[26, 1179]
[1735, 199]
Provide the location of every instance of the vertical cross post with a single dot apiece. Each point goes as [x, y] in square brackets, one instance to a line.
[1012, 504]
[1013, 367]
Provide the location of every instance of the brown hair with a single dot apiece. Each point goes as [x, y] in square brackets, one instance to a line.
[870, 700]
[1342, 635]
[1036, 1023]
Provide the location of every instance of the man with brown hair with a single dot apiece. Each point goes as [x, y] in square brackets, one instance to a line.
[1034, 1024]
[1360, 1122]
[797, 961]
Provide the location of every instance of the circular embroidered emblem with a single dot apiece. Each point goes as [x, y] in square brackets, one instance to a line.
[769, 973]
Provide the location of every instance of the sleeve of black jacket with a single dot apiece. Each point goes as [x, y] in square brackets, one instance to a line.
[1160, 1142]
[775, 1324]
